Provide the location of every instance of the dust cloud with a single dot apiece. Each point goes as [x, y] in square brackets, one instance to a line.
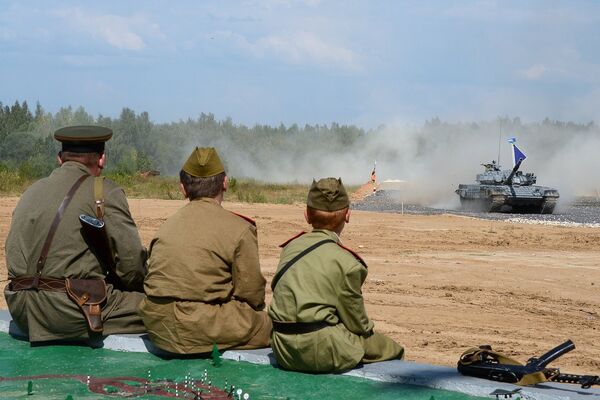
[433, 158]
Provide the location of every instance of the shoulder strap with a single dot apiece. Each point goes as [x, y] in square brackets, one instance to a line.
[282, 245]
[57, 218]
[358, 258]
[99, 196]
[252, 222]
[287, 266]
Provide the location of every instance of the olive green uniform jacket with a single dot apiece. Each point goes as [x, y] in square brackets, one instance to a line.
[325, 285]
[204, 284]
[52, 315]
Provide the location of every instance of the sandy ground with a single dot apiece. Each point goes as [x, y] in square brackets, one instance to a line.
[441, 284]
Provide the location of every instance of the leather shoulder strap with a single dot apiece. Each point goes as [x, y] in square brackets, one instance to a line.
[57, 218]
[99, 196]
[287, 266]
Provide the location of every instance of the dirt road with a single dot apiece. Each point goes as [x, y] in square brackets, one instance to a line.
[441, 284]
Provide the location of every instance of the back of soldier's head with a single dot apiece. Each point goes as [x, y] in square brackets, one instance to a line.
[82, 143]
[203, 174]
[327, 204]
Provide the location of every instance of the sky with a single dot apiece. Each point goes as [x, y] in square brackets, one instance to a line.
[306, 61]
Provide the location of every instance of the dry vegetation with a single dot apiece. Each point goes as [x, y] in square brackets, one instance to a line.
[13, 183]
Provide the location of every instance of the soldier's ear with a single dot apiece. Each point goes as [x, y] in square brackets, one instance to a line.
[347, 216]
[59, 158]
[102, 161]
[225, 183]
[183, 190]
[306, 216]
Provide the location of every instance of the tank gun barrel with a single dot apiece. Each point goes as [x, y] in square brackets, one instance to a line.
[510, 177]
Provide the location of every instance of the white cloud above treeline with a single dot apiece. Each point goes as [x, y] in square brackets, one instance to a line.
[303, 48]
[121, 32]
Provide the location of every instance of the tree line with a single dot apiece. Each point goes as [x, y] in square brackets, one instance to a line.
[139, 144]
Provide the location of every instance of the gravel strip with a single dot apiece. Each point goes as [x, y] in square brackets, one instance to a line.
[581, 212]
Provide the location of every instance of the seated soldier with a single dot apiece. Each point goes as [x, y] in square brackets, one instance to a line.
[204, 284]
[318, 312]
[48, 260]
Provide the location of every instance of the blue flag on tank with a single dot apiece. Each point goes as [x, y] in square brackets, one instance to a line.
[519, 155]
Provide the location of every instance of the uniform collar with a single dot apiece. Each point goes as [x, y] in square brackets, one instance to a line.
[72, 165]
[205, 200]
[329, 233]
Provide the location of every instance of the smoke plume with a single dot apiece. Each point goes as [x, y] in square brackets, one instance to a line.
[433, 159]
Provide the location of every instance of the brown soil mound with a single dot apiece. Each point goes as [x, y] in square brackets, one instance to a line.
[362, 192]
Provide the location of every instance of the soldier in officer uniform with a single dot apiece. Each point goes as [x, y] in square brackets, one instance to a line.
[319, 318]
[204, 284]
[40, 254]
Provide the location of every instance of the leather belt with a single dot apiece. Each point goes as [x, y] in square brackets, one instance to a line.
[169, 299]
[39, 283]
[298, 328]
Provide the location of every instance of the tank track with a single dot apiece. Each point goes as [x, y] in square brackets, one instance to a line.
[495, 203]
[547, 206]
[491, 204]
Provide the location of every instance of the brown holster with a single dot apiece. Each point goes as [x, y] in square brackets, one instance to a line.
[89, 294]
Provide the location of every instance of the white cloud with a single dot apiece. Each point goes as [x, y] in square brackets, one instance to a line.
[534, 72]
[118, 31]
[303, 48]
[117, 34]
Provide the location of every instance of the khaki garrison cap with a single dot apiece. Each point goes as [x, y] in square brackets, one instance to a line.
[203, 163]
[328, 194]
[83, 138]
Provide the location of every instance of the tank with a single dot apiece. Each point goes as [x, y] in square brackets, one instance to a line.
[499, 190]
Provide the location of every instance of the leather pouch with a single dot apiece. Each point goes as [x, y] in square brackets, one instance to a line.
[88, 294]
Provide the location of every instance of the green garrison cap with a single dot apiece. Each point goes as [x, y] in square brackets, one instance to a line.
[83, 138]
[328, 194]
[203, 162]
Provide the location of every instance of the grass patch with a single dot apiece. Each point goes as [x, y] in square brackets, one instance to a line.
[155, 187]
[167, 187]
[12, 183]
[240, 190]
[253, 191]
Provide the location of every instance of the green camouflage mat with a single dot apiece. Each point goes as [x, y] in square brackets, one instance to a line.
[57, 372]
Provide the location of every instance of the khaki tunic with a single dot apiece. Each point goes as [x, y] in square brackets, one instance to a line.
[325, 285]
[52, 315]
[204, 284]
